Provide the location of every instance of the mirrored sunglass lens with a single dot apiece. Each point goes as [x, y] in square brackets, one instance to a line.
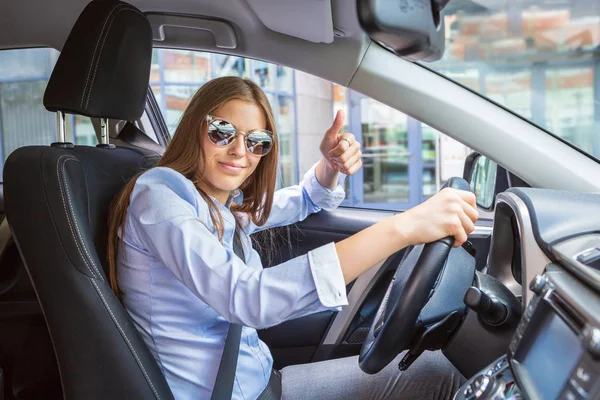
[221, 132]
[259, 142]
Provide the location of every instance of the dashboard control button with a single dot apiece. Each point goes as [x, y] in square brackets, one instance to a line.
[570, 394]
[479, 387]
[500, 365]
[591, 339]
[589, 257]
[537, 284]
[584, 375]
[469, 391]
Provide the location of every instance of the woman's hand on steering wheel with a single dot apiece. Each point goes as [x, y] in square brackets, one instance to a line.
[450, 212]
[433, 227]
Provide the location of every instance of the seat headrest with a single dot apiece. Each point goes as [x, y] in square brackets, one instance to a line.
[103, 70]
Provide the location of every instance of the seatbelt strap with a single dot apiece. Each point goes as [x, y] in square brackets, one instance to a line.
[223, 389]
[273, 390]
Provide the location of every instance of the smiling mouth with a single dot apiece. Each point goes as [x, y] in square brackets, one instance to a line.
[231, 166]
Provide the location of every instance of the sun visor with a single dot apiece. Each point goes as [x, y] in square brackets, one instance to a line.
[310, 20]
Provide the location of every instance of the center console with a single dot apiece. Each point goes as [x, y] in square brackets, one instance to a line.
[555, 351]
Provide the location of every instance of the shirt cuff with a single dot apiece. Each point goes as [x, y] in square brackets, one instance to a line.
[327, 274]
[321, 196]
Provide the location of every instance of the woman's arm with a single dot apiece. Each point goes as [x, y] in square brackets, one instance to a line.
[327, 176]
[295, 203]
[449, 213]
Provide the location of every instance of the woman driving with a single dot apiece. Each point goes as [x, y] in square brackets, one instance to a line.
[174, 263]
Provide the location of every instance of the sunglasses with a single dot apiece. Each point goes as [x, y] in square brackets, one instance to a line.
[223, 133]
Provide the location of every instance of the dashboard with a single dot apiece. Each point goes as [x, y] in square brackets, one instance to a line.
[545, 249]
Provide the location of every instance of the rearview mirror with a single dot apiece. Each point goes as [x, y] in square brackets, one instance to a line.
[481, 173]
[410, 29]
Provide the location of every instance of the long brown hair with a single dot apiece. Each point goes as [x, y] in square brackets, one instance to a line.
[185, 155]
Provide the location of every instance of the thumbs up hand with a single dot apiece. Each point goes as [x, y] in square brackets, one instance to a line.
[341, 151]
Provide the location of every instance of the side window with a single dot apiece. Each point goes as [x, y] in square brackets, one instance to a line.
[405, 161]
[24, 121]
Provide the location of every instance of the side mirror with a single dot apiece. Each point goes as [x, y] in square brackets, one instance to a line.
[482, 174]
[414, 30]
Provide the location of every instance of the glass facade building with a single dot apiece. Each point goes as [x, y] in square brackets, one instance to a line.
[538, 58]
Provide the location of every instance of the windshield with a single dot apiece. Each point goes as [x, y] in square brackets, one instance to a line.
[538, 58]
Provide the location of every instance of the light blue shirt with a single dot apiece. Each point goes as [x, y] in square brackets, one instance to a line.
[182, 286]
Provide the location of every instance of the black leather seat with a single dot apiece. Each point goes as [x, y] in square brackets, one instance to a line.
[57, 199]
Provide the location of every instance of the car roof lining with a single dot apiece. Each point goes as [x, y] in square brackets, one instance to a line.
[28, 23]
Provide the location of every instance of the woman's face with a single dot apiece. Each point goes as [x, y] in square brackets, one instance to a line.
[227, 167]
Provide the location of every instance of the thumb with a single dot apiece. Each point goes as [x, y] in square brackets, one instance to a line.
[338, 122]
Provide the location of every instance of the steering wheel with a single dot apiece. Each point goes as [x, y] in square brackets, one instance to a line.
[395, 323]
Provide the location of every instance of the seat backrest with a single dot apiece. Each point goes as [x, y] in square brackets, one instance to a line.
[57, 200]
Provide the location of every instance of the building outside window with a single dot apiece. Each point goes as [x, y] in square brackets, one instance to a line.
[24, 74]
[538, 58]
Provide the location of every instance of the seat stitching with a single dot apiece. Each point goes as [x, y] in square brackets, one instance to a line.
[79, 238]
[96, 49]
[103, 35]
[102, 47]
[126, 339]
[68, 157]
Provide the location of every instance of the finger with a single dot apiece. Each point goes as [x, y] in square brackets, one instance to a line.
[351, 152]
[338, 150]
[351, 161]
[337, 124]
[471, 212]
[348, 136]
[467, 223]
[469, 197]
[344, 142]
[464, 230]
[460, 236]
[352, 170]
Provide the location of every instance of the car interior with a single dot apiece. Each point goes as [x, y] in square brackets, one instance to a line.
[516, 309]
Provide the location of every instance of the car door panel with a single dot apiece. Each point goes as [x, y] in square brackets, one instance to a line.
[291, 343]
